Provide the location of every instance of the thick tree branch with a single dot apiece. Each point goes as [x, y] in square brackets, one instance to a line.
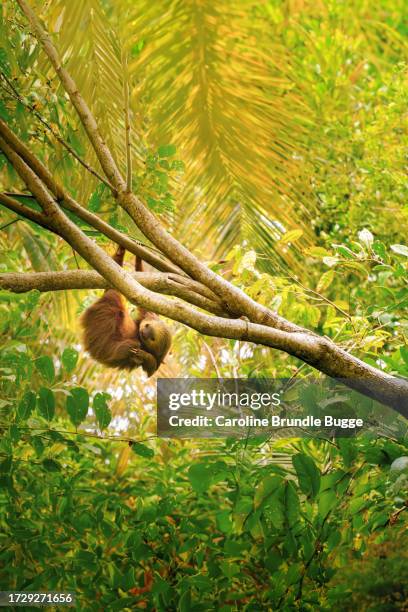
[159, 282]
[318, 352]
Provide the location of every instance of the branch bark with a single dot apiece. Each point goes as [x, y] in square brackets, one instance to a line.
[159, 282]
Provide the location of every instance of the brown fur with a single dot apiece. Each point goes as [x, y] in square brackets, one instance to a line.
[116, 340]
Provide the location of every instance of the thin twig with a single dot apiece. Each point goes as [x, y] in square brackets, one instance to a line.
[88, 434]
[212, 359]
[3, 227]
[323, 298]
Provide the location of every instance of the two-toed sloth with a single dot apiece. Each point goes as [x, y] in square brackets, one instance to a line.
[115, 339]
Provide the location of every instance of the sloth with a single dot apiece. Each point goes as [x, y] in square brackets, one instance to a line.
[113, 338]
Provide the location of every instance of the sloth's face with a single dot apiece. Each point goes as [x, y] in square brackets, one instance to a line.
[155, 337]
[148, 332]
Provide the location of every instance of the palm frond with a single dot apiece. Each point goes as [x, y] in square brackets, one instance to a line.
[230, 106]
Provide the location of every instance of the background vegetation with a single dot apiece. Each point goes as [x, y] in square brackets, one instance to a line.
[271, 137]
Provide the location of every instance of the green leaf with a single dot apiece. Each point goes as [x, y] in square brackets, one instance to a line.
[348, 451]
[167, 150]
[200, 476]
[46, 403]
[51, 466]
[14, 432]
[308, 474]
[77, 405]
[101, 409]
[317, 252]
[380, 249]
[184, 603]
[142, 450]
[45, 366]
[345, 251]
[379, 519]
[292, 507]
[333, 540]
[291, 236]
[6, 465]
[404, 353]
[265, 487]
[229, 569]
[136, 48]
[38, 445]
[325, 281]
[223, 519]
[94, 203]
[128, 579]
[327, 501]
[86, 559]
[69, 359]
[26, 405]
[160, 586]
[294, 574]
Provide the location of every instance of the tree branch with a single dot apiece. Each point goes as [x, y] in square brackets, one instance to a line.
[181, 282]
[319, 352]
[159, 282]
[97, 258]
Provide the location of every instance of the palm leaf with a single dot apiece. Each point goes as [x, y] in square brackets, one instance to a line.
[230, 106]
